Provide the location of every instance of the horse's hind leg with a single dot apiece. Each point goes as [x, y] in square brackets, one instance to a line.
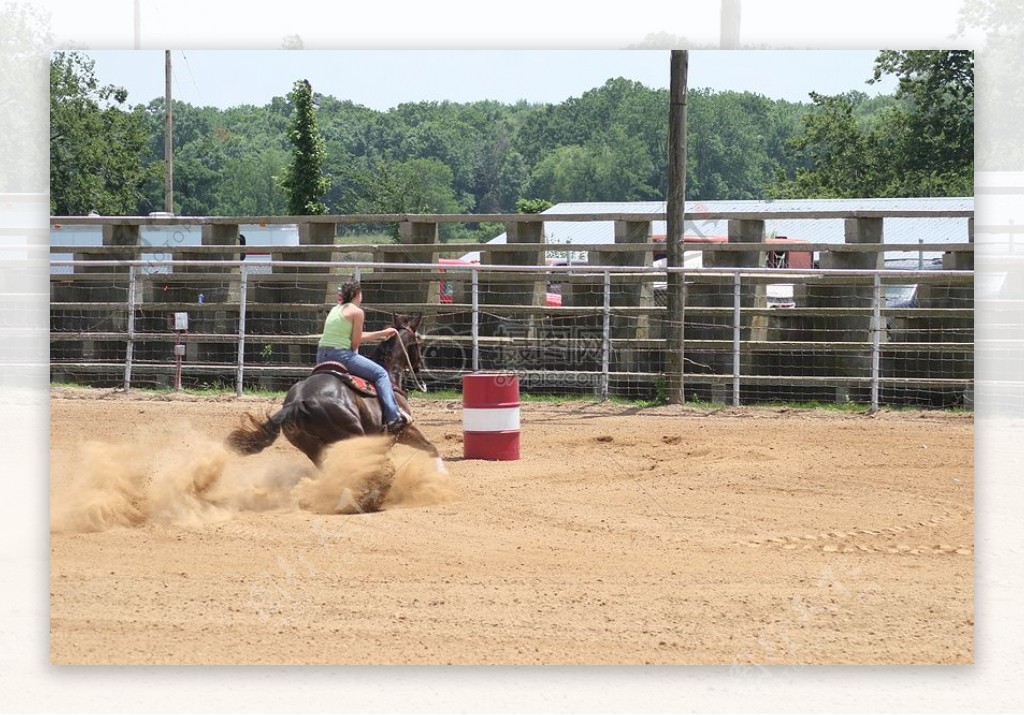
[312, 447]
[377, 489]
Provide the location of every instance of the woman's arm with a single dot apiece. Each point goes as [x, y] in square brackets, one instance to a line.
[382, 334]
[357, 317]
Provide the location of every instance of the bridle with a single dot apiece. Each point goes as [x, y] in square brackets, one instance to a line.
[408, 361]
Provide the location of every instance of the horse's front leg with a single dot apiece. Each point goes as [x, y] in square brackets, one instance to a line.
[411, 436]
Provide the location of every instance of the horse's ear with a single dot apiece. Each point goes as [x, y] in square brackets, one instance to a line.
[414, 323]
[395, 320]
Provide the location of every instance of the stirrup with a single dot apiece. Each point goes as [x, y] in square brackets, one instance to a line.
[396, 425]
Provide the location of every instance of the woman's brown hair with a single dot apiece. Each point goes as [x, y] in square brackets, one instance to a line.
[349, 290]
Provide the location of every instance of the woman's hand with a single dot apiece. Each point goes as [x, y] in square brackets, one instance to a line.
[382, 334]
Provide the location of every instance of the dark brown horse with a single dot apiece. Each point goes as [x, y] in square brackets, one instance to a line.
[322, 409]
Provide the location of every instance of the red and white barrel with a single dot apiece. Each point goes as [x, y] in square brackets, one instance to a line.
[490, 416]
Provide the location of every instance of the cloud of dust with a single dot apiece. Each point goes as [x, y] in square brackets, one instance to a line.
[417, 481]
[128, 485]
[179, 491]
[109, 491]
[349, 468]
[354, 466]
[204, 482]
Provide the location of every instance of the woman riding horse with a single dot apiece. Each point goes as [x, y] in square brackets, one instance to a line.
[323, 408]
[342, 336]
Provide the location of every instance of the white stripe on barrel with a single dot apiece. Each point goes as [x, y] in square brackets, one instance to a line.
[490, 416]
[499, 419]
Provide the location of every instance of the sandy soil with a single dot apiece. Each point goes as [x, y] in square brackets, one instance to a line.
[622, 536]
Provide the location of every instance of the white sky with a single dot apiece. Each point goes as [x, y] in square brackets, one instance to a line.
[533, 24]
[384, 78]
[486, 67]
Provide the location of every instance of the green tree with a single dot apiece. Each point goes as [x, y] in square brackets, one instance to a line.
[304, 180]
[1002, 22]
[564, 174]
[644, 115]
[608, 144]
[612, 170]
[199, 175]
[533, 206]
[501, 177]
[428, 187]
[727, 139]
[623, 125]
[414, 186]
[837, 155]
[96, 148]
[938, 89]
[25, 42]
[920, 144]
[248, 184]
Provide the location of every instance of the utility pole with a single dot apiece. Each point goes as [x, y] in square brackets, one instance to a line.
[674, 215]
[138, 26]
[168, 137]
[729, 38]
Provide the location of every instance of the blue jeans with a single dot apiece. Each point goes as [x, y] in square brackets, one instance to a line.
[367, 369]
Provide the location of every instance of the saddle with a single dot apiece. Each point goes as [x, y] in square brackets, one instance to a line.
[341, 372]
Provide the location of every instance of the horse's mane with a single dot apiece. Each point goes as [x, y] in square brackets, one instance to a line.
[383, 351]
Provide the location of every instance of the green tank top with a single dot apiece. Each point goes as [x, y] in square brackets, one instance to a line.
[337, 329]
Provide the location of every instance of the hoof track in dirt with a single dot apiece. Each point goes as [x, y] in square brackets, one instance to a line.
[876, 541]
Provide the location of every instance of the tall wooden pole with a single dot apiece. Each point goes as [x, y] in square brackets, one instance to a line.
[674, 215]
[168, 137]
[138, 26]
[729, 37]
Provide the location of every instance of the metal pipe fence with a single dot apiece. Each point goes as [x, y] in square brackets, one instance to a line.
[752, 335]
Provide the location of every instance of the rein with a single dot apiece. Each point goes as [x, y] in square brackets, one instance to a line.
[408, 362]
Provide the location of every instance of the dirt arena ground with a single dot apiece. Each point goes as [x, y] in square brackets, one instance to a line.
[622, 536]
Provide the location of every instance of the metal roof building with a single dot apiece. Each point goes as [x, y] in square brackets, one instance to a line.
[826, 230]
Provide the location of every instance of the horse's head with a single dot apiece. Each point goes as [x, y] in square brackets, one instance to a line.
[405, 352]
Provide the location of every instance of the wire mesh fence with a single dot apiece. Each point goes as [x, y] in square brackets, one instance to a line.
[750, 335]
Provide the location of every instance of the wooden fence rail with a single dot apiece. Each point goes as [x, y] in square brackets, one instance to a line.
[840, 338]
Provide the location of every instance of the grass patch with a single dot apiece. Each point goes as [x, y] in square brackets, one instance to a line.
[363, 239]
[782, 404]
[220, 389]
[527, 397]
[214, 389]
[217, 389]
[452, 394]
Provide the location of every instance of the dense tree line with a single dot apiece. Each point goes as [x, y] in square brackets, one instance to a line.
[609, 144]
[919, 144]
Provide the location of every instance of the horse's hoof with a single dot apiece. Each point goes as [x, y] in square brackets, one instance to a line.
[347, 503]
[370, 501]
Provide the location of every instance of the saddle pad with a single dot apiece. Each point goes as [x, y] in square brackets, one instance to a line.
[341, 372]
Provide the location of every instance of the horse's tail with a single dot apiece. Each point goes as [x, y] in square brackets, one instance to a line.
[254, 436]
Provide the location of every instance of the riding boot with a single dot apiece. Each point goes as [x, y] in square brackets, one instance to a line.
[396, 425]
